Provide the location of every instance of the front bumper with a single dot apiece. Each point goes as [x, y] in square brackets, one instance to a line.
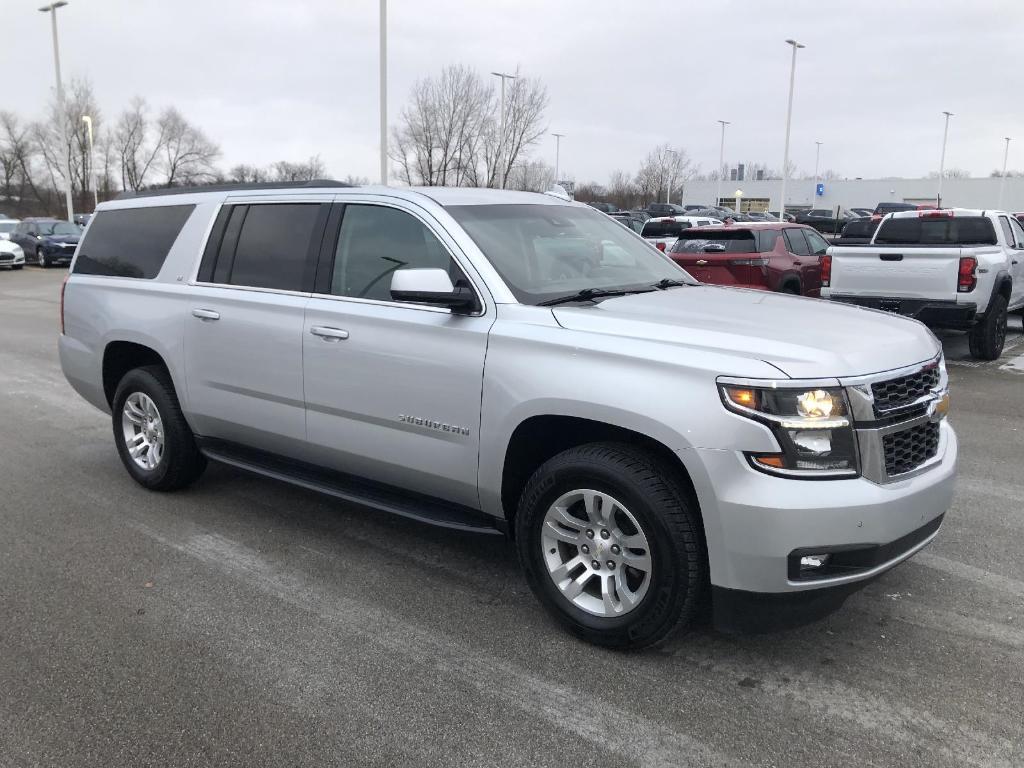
[933, 313]
[8, 259]
[59, 257]
[754, 522]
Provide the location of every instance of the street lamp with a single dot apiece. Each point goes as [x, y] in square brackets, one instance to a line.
[817, 157]
[501, 139]
[789, 119]
[92, 164]
[942, 160]
[668, 177]
[558, 148]
[383, 92]
[52, 10]
[1002, 179]
[721, 162]
[738, 194]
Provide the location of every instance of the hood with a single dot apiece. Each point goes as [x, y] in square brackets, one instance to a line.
[804, 338]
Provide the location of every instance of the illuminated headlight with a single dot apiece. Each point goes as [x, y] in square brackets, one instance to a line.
[811, 425]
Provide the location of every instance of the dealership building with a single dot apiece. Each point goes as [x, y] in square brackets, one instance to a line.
[758, 195]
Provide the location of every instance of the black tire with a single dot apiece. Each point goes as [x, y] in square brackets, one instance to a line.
[793, 289]
[181, 462]
[41, 258]
[988, 336]
[666, 512]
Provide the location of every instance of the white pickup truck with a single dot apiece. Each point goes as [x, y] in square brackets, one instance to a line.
[960, 269]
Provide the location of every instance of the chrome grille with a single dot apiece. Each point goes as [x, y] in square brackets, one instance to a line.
[908, 449]
[904, 390]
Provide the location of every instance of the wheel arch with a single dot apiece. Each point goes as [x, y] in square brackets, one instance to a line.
[119, 357]
[540, 437]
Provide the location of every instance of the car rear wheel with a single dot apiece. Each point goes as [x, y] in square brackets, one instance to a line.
[153, 439]
[41, 258]
[611, 544]
[988, 336]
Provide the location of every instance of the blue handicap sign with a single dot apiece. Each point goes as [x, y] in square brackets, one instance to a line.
[820, 190]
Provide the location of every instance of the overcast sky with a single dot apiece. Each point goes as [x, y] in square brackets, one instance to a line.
[292, 78]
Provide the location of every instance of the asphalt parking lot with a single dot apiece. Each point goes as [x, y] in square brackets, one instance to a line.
[244, 622]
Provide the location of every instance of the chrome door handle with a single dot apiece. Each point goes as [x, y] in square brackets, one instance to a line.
[206, 314]
[329, 334]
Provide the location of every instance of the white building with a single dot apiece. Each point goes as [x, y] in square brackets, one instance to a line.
[861, 193]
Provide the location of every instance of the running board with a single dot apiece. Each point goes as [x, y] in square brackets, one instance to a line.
[424, 509]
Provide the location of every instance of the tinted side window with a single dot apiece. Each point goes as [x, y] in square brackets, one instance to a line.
[817, 243]
[795, 242]
[1007, 232]
[375, 242]
[131, 242]
[273, 249]
[766, 240]
[1018, 231]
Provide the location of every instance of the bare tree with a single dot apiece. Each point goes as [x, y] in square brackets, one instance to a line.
[283, 170]
[661, 171]
[531, 176]
[525, 102]
[135, 149]
[441, 128]
[187, 155]
[951, 173]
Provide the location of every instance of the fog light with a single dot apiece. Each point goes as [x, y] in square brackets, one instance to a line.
[814, 441]
[813, 562]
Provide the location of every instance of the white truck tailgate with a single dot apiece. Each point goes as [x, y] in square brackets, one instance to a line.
[909, 272]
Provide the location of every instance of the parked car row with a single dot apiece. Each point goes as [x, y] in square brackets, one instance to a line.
[44, 241]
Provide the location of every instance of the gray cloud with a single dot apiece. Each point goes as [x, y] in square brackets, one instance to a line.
[271, 80]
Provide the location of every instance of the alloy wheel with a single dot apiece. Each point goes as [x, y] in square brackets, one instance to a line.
[596, 553]
[143, 430]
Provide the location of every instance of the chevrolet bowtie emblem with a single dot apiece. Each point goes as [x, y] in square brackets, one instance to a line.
[701, 262]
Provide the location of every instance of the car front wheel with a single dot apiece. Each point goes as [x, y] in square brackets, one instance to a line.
[41, 258]
[610, 541]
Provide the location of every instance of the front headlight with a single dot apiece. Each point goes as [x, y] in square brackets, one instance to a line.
[811, 424]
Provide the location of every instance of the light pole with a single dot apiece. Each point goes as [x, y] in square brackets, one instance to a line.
[942, 160]
[65, 145]
[738, 194]
[789, 119]
[721, 162]
[668, 178]
[92, 164]
[383, 92]
[501, 139]
[558, 149]
[1002, 179]
[817, 157]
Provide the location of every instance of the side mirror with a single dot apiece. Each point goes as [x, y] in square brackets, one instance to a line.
[431, 286]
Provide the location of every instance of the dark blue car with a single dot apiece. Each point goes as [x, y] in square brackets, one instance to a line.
[48, 241]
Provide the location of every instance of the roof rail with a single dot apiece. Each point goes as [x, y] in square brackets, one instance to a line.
[240, 187]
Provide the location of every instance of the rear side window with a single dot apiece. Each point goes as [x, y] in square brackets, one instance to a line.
[766, 240]
[946, 230]
[266, 245]
[131, 242]
[729, 240]
[817, 243]
[795, 242]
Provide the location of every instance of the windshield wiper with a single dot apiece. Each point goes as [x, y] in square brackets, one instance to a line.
[589, 294]
[661, 285]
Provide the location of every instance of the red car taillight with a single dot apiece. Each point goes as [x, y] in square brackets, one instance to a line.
[937, 214]
[63, 287]
[826, 270]
[966, 279]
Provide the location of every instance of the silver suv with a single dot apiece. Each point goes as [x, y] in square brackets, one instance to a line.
[511, 362]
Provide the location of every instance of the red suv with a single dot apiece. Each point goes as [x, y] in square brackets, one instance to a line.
[772, 256]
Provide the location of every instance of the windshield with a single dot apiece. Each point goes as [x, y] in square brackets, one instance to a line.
[57, 228]
[546, 251]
